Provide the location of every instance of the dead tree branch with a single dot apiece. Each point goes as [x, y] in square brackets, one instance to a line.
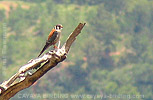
[49, 60]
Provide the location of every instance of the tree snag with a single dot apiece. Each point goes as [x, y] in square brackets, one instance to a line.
[49, 60]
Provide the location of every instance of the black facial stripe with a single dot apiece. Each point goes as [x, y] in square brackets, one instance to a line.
[58, 26]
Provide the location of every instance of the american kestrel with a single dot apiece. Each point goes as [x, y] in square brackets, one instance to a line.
[53, 37]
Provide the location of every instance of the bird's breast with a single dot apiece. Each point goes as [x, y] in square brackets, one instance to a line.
[57, 38]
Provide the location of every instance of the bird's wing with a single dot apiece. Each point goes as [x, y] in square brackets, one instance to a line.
[50, 41]
[53, 37]
[51, 33]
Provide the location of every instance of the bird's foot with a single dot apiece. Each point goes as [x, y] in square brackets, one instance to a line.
[55, 47]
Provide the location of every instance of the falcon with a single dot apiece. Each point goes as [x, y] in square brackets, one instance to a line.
[53, 37]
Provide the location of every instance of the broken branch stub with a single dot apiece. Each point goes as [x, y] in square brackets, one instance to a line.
[49, 60]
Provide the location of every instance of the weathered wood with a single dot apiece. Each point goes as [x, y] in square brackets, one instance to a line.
[51, 59]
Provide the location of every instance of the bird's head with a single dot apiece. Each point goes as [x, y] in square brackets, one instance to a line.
[58, 27]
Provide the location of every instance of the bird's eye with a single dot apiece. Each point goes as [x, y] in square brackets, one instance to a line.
[58, 27]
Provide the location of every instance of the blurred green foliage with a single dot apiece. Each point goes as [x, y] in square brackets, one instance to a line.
[112, 56]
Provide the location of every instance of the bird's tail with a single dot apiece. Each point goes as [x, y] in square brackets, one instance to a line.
[45, 47]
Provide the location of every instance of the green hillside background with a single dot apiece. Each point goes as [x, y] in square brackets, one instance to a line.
[112, 58]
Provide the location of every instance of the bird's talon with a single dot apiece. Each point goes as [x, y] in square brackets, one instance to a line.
[53, 38]
[30, 61]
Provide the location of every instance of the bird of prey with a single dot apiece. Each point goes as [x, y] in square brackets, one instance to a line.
[53, 37]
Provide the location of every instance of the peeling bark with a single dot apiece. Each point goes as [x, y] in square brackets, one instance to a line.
[9, 88]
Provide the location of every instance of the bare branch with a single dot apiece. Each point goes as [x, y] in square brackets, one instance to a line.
[73, 36]
[9, 88]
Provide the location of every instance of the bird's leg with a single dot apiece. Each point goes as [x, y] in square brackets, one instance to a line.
[55, 47]
[59, 44]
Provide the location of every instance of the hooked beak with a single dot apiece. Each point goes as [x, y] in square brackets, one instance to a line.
[61, 27]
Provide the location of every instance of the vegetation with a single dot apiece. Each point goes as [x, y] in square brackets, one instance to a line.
[112, 57]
